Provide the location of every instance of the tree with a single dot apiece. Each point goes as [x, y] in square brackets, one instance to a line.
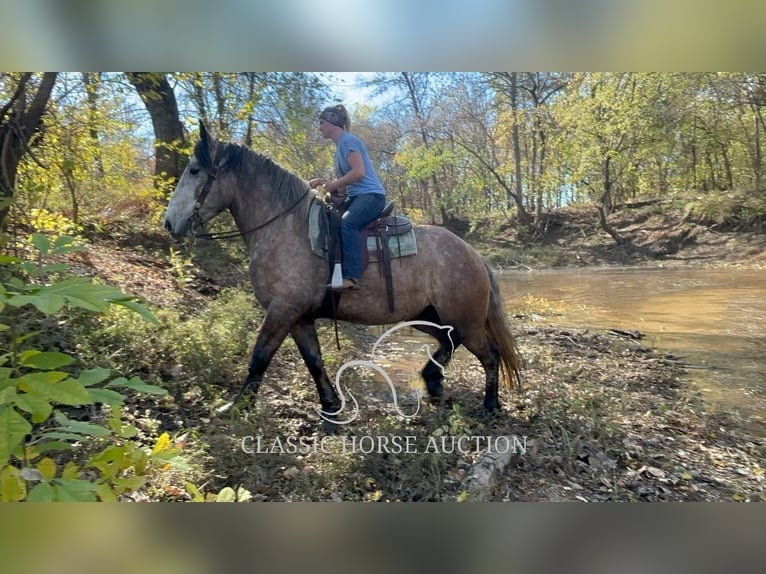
[529, 96]
[484, 130]
[419, 94]
[159, 98]
[21, 121]
[606, 121]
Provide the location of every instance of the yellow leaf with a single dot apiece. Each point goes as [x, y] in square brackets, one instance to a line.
[12, 487]
[163, 443]
[128, 484]
[105, 493]
[226, 494]
[71, 471]
[47, 468]
[738, 497]
[194, 492]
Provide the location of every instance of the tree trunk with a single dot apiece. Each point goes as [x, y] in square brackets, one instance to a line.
[92, 81]
[412, 92]
[610, 229]
[250, 115]
[538, 174]
[523, 216]
[160, 101]
[19, 124]
[199, 97]
[606, 206]
[758, 154]
[220, 104]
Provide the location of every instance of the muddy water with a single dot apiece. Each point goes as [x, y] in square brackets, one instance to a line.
[715, 320]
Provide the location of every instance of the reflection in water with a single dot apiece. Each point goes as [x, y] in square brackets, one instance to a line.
[713, 319]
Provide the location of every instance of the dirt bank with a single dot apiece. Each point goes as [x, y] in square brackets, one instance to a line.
[656, 234]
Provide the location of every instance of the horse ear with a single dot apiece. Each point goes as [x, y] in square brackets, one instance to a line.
[203, 135]
[208, 142]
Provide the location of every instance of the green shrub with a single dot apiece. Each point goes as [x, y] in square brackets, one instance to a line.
[729, 207]
[204, 348]
[39, 442]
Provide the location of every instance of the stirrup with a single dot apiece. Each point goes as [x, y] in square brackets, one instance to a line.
[348, 285]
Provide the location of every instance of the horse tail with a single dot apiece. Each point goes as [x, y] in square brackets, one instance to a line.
[499, 331]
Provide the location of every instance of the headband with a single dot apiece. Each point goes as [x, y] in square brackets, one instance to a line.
[333, 116]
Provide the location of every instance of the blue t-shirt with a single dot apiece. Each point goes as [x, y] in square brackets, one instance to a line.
[370, 183]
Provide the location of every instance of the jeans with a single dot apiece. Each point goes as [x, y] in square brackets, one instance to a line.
[361, 210]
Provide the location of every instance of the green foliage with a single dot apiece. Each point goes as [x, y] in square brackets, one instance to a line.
[39, 440]
[205, 344]
[181, 265]
[89, 161]
[421, 162]
[77, 292]
[729, 208]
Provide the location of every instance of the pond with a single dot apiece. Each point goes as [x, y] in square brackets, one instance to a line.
[713, 320]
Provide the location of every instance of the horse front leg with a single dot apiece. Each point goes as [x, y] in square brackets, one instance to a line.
[305, 336]
[276, 326]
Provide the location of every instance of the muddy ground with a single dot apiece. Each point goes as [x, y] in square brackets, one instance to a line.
[601, 416]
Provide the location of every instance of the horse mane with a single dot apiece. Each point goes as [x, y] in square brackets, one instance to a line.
[246, 165]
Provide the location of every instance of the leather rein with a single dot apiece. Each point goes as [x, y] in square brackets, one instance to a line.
[212, 174]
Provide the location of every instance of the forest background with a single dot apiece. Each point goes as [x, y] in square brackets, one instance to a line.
[448, 146]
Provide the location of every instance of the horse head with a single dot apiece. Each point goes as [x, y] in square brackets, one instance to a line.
[193, 202]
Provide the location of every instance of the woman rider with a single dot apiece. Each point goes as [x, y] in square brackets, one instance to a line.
[357, 178]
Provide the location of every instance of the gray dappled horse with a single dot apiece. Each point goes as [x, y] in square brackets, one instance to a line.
[446, 282]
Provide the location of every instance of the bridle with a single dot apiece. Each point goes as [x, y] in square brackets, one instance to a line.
[196, 218]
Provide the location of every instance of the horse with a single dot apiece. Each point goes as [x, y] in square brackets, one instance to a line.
[446, 283]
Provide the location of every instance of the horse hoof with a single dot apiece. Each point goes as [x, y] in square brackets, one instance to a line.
[441, 401]
[329, 427]
[436, 400]
[435, 391]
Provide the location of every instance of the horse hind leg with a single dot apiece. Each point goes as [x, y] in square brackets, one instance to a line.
[433, 374]
[489, 356]
[492, 369]
[433, 371]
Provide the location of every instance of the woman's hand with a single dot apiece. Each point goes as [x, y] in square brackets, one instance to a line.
[317, 181]
[330, 185]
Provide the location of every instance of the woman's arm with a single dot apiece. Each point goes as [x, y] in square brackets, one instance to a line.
[355, 174]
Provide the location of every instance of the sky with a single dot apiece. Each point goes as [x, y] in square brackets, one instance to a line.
[345, 86]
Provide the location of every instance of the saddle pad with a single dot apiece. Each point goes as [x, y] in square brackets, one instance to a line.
[399, 245]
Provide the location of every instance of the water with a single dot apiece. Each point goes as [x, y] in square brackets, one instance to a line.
[714, 320]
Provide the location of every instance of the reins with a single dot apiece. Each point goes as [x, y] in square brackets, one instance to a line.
[233, 234]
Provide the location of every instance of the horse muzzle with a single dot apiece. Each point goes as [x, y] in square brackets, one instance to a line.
[177, 230]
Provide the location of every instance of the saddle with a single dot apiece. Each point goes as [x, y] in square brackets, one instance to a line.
[387, 237]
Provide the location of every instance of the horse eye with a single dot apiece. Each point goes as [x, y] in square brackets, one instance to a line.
[194, 171]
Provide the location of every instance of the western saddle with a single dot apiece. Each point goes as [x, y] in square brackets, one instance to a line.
[382, 228]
